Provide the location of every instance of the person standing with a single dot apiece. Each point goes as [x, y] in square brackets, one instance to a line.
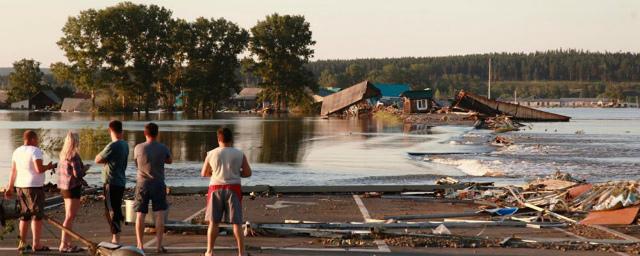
[27, 177]
[71, 171]
[226, 166]
[114, 157]
[150, 158]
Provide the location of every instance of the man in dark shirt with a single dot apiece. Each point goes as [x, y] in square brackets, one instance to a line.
[150, 157]
[114, 157]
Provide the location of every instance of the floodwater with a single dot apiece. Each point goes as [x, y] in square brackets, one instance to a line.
[314, 151]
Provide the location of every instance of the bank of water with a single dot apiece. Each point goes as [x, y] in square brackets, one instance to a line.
[314, 151]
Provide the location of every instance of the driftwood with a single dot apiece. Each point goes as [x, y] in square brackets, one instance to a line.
[550, 213]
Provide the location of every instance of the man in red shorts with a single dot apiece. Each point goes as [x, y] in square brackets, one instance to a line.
[226, 166]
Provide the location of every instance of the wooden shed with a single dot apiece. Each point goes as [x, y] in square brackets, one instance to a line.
[419, 101]
[45, 99]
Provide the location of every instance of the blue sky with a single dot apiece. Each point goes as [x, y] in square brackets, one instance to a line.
[369, 28]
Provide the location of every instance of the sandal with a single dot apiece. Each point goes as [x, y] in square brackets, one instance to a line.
[72, 249]
[161, 249]
[42, 249]
[24, 248]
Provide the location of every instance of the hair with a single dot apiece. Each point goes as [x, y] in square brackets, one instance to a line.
[225, 135]
[29, 135]
[151, 129]
[70, 147]
[115, 126]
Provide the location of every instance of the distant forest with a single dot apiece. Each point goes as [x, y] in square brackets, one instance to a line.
[550, 74]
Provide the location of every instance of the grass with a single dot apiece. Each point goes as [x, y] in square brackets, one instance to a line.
[387, 118]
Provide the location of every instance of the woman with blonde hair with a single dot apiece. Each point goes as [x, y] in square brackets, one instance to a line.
[71, 171]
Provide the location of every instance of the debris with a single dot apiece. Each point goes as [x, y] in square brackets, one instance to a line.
[441, 230]
[447, 181]
[489, 107]
[501, 141]
[624, 216]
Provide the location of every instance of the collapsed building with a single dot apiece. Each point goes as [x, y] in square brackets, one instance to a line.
[351, 101]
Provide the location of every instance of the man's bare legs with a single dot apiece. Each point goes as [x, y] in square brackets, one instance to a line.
[159, 227]
[237, 232]
[212, 234]
[140, 230]
[24, 231]
[36, 231]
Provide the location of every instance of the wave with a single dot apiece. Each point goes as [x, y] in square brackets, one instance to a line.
[471, 167]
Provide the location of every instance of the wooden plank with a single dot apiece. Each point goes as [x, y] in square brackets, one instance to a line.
[435, 215]
[550, 213]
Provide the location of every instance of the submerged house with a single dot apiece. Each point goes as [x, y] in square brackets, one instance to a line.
[418, 101]
[247, 98]
[354, 98]
[391, 93]
[76, 105]
[45, 99]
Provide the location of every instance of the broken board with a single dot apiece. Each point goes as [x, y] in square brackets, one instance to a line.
[624, 216]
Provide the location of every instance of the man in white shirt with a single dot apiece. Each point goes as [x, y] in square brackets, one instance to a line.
[225, 165]
[27, 177]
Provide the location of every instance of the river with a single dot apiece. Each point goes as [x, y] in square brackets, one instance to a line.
[597, 145]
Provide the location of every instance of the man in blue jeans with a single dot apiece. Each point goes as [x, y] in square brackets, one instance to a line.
[150, 157]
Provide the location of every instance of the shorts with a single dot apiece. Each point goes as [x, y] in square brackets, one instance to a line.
[224, 203]
[155, 192]
[31, 203]
[74, 193]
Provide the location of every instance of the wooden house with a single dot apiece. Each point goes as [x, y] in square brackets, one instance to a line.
[418, 101]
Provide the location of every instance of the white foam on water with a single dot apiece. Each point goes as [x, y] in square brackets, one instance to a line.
[472, 167]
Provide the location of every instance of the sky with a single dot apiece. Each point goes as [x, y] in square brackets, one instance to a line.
[347, 29]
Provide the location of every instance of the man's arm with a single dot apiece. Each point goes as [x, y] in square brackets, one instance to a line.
[100, 160]
[102, 157]
[206, 168]
[246, 169]
[12, 181]
[40, 168]
[169, 159]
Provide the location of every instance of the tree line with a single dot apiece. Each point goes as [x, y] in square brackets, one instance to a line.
[144, 57]
[584, 73]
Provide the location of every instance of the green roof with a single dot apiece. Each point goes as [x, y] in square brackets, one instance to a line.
[418, 95]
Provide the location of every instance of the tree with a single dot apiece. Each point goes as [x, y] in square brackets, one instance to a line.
[281, 45]
[83, 46]
[213, 61]
[25, 80]
[355, 74]
[327, 79]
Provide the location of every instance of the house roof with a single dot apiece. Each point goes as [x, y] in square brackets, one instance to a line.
[49, 94]
[75, 104]
[248, 93]
[347, 97]
[418, 94]
[392, 90]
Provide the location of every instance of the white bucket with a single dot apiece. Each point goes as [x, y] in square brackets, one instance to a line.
[130, 214]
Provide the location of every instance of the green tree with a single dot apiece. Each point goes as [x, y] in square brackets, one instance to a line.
[327, 79]
[355, 73]
[25, 80]
[83, 46]
[213, 62]
[281, 45]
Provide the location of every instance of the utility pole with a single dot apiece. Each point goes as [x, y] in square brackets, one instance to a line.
[489, 87]
[515, 96]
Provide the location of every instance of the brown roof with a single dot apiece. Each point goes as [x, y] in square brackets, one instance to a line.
[249, 93]
[343, 99]
[75, 104]
[3, 96]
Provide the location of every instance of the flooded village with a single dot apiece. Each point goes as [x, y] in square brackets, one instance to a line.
[316, 128]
